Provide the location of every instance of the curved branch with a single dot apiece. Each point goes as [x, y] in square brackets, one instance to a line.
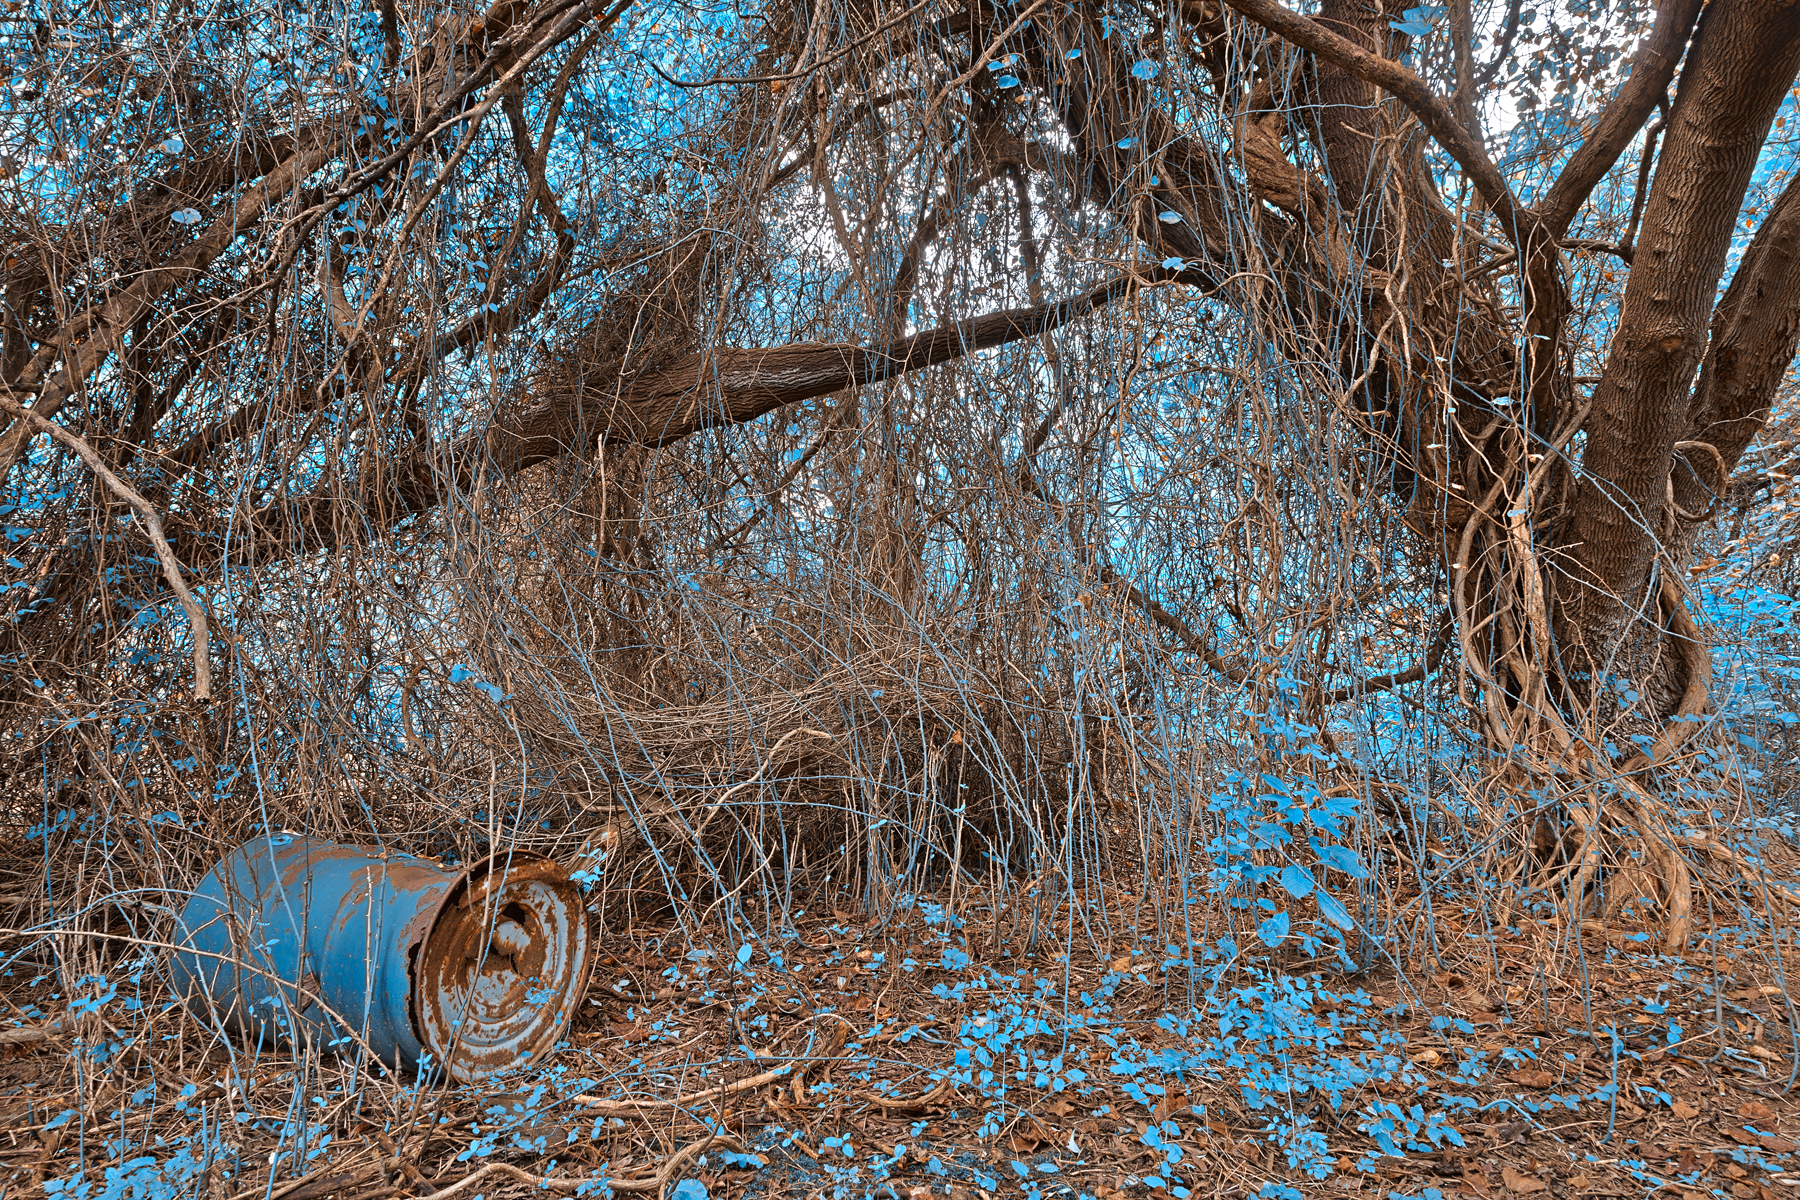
[1509, 31]
[727, 386]
[196, 612]
[1647, 86]
[1434, 655]
[799, 73]
[1433, 111]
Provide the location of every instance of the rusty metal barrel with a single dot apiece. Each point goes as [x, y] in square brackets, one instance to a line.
[296, 940]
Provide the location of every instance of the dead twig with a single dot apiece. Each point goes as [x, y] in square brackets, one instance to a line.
[926, 1100]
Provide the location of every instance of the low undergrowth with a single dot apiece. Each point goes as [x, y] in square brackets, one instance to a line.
[931, 1053]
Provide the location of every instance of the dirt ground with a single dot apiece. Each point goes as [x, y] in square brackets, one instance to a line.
[908, 1060]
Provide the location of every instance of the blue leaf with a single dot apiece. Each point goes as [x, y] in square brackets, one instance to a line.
[1344, 859]
[1273, 930]
[458, 673]
[1073, 54]
[1145, 69]
[1298, 883]
[1175, 264]
[1332, 911]
[185, 216]
[1127, 143]
[743, 955]
[1169, 217]
[1007, 81]
[1422, 19]
[689, 1189]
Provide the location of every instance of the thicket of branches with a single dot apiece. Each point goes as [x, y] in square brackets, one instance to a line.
[887, 449]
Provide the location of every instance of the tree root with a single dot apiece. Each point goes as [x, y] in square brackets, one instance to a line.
[925, 1100]
[657, 1183]
[638, 1108]
[1653, 835]
[1751, 875]
[1503, 616]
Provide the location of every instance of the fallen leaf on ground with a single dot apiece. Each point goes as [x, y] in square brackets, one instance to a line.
[1521, 1183]
[1684, 1110]
[1534, 1079]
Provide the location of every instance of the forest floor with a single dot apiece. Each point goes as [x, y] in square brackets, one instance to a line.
[911, 1059]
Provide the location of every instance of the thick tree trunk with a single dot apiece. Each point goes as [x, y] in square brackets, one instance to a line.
[1620, 523]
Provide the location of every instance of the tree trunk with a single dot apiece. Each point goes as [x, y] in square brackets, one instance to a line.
[1623, 531]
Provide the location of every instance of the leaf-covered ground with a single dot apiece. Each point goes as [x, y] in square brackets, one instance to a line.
[850, 1058]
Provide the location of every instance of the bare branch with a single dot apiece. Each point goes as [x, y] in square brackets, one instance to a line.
[697, 391]
[196, 612]
[103, 326]
[1434, 656]
[1432, 110]
[1648, 86]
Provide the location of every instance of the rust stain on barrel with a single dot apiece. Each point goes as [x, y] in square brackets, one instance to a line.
[429, 974]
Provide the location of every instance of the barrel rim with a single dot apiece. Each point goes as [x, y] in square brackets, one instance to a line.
[473, 883]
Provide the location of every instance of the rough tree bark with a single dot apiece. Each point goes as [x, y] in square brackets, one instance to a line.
[1620, 519]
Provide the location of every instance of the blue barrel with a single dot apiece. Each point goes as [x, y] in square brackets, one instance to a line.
[295, 940]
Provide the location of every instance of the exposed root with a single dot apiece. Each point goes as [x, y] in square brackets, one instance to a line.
[1607, 827]
[657, 1183]
[638, 1108]
[1755, 878]
[892, 1104]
